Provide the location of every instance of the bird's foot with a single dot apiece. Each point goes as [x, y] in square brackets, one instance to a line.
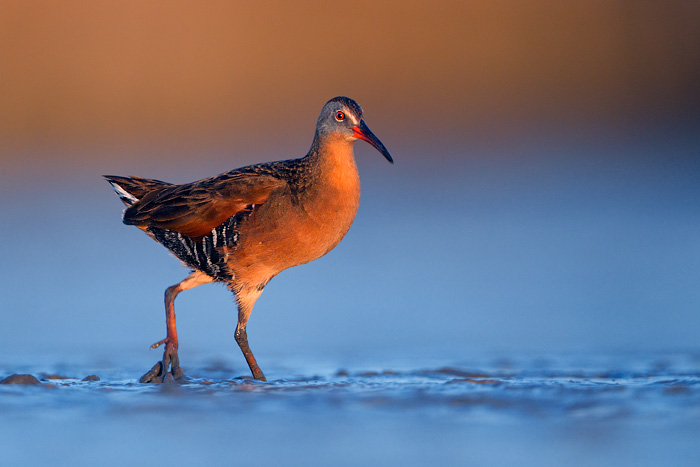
[170, 365]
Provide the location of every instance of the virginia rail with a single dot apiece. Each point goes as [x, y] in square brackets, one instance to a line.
[245, 226]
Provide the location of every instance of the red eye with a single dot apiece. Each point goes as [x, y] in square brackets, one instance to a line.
[340, 116]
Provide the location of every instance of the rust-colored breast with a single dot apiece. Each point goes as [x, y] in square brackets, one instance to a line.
[293, 228]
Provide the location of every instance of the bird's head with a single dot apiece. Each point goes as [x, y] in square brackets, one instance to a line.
[343, 116]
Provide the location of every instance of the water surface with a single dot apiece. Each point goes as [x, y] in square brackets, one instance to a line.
[496, 410]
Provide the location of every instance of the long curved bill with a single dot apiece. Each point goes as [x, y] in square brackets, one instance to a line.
[363, 132]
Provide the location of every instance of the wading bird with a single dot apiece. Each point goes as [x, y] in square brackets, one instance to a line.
[245, 226]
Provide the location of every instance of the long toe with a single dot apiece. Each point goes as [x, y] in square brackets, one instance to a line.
[154, 375]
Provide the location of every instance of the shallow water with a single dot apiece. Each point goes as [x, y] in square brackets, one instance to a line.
[608, 409]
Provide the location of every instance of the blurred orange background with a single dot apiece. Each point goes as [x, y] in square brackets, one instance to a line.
[80, 77]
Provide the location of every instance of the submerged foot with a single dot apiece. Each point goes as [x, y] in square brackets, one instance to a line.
[170, 365]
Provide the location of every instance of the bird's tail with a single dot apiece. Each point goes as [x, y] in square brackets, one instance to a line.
[131, 189]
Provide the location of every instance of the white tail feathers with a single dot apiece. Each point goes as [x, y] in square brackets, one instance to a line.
[124, 195]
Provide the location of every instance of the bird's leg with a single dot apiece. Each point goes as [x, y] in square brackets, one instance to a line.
[171, 362]
[246, 299]
[242, 339]
[160, 370]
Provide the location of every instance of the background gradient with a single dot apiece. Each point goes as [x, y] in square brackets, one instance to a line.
[544, 196]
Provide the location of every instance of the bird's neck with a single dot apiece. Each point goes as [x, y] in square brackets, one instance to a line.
[333, 163]
[330, 196]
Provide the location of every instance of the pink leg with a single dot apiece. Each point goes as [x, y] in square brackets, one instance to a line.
[171, 362]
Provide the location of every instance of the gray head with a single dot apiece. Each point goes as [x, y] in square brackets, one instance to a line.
[344, 116]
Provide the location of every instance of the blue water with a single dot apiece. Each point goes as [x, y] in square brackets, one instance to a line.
[532, 307]
[604, 410]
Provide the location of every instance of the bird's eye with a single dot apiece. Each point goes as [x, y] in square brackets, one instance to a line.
[340, 116]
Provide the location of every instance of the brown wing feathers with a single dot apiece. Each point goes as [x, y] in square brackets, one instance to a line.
[131, 189]
[195, 209]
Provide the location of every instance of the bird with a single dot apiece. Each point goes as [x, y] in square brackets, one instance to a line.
[245, 226]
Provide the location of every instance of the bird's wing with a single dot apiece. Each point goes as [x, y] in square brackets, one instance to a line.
[195, 209]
